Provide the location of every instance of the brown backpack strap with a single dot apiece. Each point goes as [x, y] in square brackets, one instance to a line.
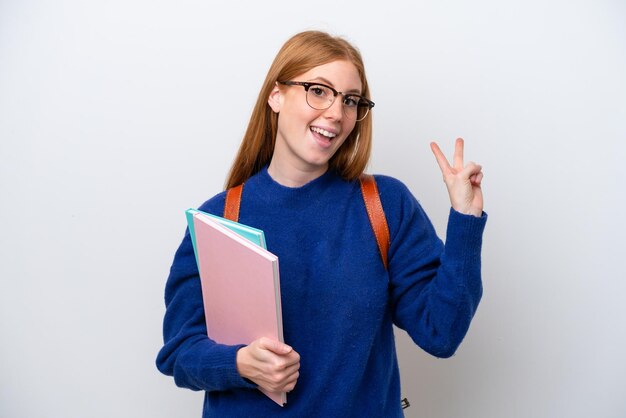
[372, 204]
[233, 202]
[376, 214]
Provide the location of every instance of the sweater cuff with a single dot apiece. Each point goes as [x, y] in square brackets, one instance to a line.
[222, 365]
[464, 235]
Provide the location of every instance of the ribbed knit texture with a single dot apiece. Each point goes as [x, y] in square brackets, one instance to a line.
[338, 301]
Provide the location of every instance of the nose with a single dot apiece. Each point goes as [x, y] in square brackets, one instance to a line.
[335, 111]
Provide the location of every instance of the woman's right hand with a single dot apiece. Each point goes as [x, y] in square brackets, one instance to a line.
[270, 364]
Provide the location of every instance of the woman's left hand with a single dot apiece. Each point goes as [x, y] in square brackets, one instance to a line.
[462, 181]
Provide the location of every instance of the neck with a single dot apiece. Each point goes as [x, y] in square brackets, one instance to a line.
[289, 176]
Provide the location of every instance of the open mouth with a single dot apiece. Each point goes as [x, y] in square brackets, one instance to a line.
[323, 132]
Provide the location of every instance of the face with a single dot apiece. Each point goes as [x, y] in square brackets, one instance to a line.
[307, 138]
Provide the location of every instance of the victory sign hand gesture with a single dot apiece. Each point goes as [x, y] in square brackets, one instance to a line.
[462, 181]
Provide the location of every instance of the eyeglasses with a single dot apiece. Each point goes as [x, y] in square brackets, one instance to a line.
[321, 97]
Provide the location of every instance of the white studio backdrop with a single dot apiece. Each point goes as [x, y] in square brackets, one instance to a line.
[117, 116]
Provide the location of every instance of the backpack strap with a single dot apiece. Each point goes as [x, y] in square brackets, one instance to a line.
[371, 197]
[376, 214]
[233, 202]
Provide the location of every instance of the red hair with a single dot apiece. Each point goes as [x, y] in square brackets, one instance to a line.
[301, 53]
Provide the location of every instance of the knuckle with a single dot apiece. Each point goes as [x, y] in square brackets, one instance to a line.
[267, 370]
[277, 378]
[280, 363]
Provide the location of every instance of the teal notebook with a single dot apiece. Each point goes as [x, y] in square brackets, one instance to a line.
[253, 235]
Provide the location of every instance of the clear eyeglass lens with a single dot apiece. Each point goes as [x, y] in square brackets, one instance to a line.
[321, 97]
[361, 112]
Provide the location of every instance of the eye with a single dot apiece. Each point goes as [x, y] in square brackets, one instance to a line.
[351, 101]
[319, 91]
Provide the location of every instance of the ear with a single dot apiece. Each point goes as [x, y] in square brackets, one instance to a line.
[275, 99]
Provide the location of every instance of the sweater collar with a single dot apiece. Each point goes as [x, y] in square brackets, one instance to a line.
[265, 188]
[315, 184]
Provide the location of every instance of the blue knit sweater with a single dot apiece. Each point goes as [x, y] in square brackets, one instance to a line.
[338, 301]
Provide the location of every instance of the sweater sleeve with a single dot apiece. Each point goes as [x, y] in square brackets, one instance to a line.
[195, 361]
[435, 288]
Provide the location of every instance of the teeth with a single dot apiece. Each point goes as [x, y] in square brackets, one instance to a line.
[324, 132]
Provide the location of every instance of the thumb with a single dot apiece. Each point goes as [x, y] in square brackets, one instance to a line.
[274, 346]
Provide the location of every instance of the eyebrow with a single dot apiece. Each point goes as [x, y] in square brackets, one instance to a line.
[326, 81]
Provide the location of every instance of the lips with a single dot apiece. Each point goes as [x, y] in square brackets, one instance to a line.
[323, 132]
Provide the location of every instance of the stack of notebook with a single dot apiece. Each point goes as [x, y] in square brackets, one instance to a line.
[240, 282]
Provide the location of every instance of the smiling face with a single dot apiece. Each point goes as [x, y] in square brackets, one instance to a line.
[307, 138]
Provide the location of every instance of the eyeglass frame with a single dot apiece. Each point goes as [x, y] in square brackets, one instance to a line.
[307, 85]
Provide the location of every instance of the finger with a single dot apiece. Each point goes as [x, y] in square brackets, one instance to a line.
[458, 153]
[282, 380]
[441, 159]
[290, 384]
[282, 375]
[274, 346]
[477, 178]
[292, 368]
[470, 170]
[284, 362]
[294, 357]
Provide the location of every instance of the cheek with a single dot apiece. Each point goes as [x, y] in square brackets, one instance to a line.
[290, 120]
[349, 127]
[298, 118]
[344, 140]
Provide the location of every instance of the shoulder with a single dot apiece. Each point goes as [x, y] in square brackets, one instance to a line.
[400, 205]
[214, 205]
[390, 184]
[393, 192]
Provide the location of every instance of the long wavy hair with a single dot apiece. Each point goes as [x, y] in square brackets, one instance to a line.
[301, 53]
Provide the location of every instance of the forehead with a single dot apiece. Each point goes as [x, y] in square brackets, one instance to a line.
[341, 75]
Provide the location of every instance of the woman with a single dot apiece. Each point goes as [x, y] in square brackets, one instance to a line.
[307, 143]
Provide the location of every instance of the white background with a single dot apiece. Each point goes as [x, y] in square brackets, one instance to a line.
[117, 116]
